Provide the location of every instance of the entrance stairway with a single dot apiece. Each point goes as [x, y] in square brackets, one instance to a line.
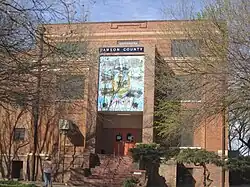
[111, 172]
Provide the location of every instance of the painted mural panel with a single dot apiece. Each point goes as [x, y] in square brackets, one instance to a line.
[121, 83]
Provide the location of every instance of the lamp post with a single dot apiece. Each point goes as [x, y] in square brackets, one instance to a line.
[223, 133]
[64, 127]
[223, 152]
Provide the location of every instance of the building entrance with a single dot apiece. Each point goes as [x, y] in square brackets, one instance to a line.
[117, 134]
[124, 139]
[17, 167]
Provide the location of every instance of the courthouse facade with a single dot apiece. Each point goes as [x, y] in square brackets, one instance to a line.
[117, 109]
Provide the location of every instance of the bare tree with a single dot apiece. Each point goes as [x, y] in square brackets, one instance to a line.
[33, 62]
[215, 53]
[13, 138]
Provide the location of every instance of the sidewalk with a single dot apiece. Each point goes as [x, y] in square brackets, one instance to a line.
[41, 184]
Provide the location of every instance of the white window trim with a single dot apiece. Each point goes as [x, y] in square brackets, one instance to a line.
[187, 147]
[190, 101]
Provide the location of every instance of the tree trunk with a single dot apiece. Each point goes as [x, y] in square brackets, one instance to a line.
[204, 175]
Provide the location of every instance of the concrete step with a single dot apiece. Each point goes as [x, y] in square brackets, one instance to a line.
[111, 172]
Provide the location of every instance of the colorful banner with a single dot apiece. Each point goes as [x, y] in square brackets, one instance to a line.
[121, 83]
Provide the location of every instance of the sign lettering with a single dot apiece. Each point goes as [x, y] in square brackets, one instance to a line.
[121, 49]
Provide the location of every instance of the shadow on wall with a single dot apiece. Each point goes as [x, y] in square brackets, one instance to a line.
[185, 176]
[239, 178]
[75, 136]
[152, 172]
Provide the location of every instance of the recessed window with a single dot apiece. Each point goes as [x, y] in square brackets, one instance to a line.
[19, 134]
[187, 137]
[72, 49]
[71, 87]
[189, 88]
[185, 48]
[188, 124]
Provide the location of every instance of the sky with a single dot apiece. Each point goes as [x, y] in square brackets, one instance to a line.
[122, 10]
[61, 11]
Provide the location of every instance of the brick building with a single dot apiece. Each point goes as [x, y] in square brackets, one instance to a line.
[124, 58]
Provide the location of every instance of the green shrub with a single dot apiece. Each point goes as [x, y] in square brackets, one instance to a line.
[130, 182]
[9, 182]
[18, 185]
[12, 183]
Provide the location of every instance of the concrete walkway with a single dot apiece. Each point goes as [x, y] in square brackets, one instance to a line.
[41, 184]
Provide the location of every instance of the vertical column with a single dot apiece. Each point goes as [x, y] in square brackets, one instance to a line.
[169, 172]
[149, 78]
[91, 121]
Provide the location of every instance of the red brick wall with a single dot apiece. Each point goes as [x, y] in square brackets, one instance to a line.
[151, 35]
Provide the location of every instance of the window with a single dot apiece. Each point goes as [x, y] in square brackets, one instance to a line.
[20, 99]
[189, 88]
[19, 134]
[188, 117]
[187, 137]
[72, 49]
[185, 48]
[71, 87]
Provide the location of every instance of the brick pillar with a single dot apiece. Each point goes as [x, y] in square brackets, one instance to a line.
[168, 171]
[148, 113]
[91, 119]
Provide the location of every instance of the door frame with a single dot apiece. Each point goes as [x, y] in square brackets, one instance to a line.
[119, 146]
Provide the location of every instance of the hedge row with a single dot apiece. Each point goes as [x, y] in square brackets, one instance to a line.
[15, 184]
